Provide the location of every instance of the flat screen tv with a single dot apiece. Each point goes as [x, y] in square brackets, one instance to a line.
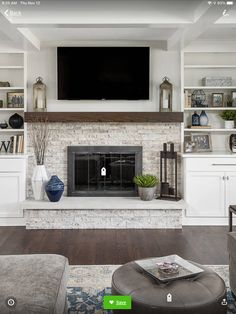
[96, 73]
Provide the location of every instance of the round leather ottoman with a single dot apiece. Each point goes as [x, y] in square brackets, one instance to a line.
[202, 294]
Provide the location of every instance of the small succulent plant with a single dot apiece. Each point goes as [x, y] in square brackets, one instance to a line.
[146, 180]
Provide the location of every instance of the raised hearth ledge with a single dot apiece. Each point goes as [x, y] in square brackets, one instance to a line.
[103, 213]
[67, 203]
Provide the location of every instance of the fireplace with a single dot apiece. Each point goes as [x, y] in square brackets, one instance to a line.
[103, 170]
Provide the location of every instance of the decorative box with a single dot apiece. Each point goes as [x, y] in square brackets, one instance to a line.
[217, 81]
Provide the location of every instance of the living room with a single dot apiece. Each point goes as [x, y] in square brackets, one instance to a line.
[117, 156]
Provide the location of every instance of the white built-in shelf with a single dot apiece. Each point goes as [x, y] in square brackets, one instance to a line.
[209, 130]
[227, 154]
[210, 108]
[11, 130]
[11, 88]
[11, 155]
[13, 67]
[210, 87]
[11, 109]
[213, 66]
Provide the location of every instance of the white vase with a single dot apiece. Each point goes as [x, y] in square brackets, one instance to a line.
[39, 181]
[229, 124]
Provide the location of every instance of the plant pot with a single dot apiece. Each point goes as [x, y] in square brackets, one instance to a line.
[54, 189]
[229, 124]
[146, 194]
[39, 181]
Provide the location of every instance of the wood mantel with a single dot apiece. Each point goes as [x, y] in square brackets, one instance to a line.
[137, 117]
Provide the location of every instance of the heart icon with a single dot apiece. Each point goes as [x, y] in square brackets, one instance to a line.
[111, 301]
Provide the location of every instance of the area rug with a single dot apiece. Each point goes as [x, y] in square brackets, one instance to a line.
[89, 283]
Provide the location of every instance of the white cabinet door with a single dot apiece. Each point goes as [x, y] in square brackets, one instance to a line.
[12, 187]
[230, 190]
[205, 194]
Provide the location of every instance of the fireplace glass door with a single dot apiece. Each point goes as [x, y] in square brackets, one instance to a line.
[104, 173]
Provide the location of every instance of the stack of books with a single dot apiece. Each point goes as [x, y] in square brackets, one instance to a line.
[17, 144]
[187, 99]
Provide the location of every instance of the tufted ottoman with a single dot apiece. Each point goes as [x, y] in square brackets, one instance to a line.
[37, 283]
[202, 294]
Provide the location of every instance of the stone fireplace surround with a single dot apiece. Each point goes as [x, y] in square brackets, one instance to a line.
[155, 214]
[150, 136]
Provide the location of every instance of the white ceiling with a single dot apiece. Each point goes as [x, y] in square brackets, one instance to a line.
[176, 22]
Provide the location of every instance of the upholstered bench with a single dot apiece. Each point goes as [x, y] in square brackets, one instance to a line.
[37, 283]
[203, 294]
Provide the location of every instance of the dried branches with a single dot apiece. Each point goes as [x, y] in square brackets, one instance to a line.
[39, 136]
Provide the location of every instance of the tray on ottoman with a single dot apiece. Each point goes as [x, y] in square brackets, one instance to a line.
[179, 268]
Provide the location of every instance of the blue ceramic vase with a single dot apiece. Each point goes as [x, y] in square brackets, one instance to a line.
[203, 118]
[54, 189]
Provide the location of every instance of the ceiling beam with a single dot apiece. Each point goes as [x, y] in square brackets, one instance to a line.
[23, 41]
[204, 17]
[28, 35]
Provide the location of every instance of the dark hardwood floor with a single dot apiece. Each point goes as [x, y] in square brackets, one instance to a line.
[206, 245]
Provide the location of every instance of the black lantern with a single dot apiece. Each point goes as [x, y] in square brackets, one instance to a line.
[166, 90]
[168, 173]
[39, 95]
[198, 98]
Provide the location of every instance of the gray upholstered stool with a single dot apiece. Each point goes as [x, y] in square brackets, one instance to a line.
[202, 294]
[37, 283]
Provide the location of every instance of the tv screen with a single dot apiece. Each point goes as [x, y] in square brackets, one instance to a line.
[103, 73]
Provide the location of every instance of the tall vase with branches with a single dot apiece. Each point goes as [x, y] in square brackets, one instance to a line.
[39, 137]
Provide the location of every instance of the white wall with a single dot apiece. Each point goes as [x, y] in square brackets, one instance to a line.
[44, 64]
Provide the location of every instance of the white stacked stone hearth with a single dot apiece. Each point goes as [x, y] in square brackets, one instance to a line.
[83, 212]
[103, 213]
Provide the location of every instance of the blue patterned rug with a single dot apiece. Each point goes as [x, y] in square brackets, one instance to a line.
[89, 301]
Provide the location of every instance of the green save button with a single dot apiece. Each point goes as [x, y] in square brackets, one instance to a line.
[117, 302]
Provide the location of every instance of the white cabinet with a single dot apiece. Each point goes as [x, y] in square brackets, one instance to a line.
[12, 186]
[205, 194]
[209, 186]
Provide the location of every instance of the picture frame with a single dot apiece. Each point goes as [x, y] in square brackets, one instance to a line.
[15, 100]
[217, 100]
[233, 96]
[202, 142]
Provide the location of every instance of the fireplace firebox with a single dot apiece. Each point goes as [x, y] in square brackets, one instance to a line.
[103, 170]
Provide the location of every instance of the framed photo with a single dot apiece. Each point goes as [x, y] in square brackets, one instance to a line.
[202, 142]
[15, 100]
[234, 98]
[217, 100]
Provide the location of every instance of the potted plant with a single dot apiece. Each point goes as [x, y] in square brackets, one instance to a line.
[146, 186]
[229, 117]
[39, 138]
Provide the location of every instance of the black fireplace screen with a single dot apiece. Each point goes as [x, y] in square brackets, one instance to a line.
[103, 170]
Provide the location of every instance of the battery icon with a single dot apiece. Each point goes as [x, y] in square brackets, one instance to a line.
[230, 3]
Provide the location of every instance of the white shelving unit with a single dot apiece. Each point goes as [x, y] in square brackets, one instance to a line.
[212, 109]
[13, 67]
[11, 109]
[196, 66]
[12, 70]
[12, 88]
[213, 66]
[10, 130]
[209, 130]
[211, 87]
